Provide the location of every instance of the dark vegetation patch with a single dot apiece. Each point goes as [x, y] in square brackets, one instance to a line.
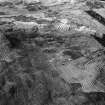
[95, 4]
[95, 98]
[6, 3]
[2, 13]
[24, 18]
[34, 7]
[22, 80]
[14, 42]
[26, 79]
[73, 54]
[50, 50]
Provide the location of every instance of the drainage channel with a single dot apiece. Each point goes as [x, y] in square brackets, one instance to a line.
[96, 16]
[101, 20]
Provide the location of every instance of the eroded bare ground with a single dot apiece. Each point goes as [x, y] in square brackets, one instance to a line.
[52, 54]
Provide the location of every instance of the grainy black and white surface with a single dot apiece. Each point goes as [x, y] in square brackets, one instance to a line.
[52, 52]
